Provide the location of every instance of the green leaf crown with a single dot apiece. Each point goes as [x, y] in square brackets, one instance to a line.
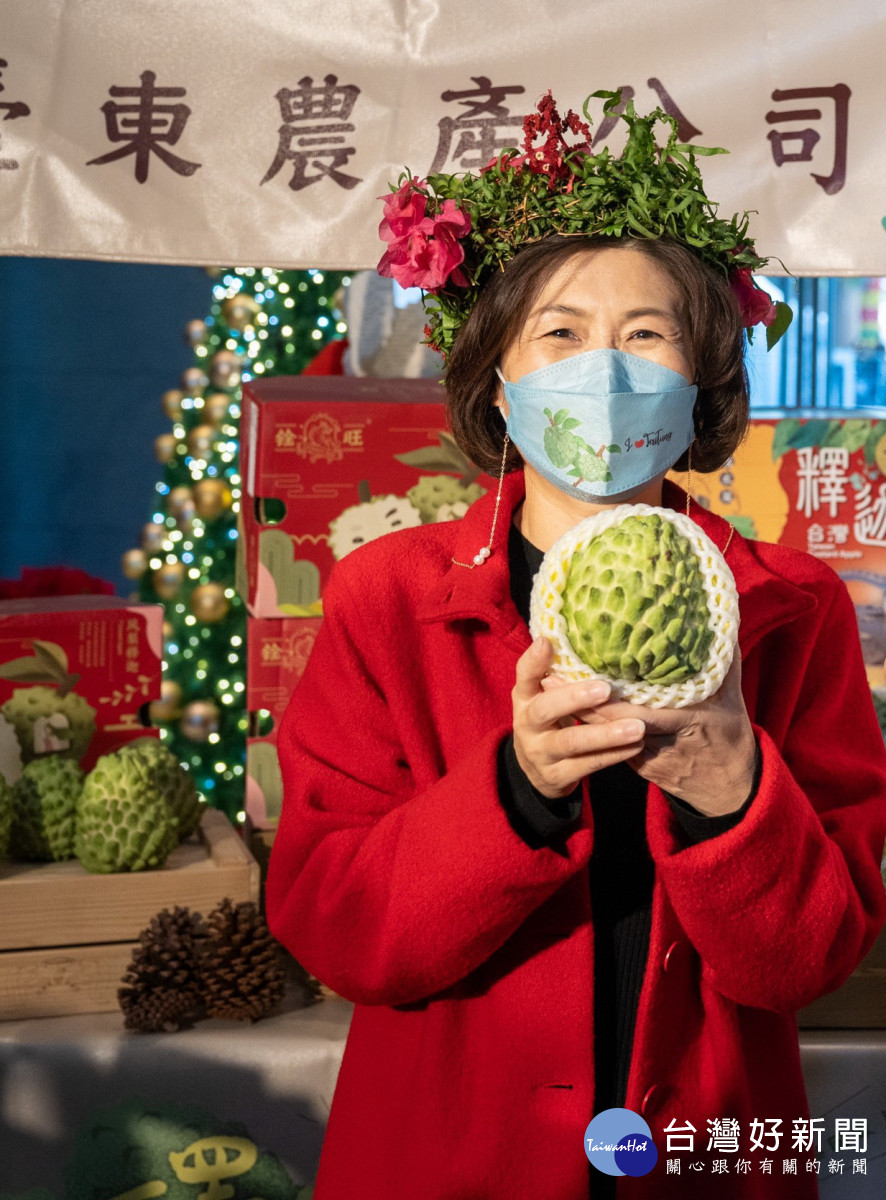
[550, 186]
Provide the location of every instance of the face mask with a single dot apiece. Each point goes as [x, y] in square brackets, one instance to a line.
[602, 424]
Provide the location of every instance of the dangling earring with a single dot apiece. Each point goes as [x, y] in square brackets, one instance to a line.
[481, 556]
[689, 499]
[688, 478]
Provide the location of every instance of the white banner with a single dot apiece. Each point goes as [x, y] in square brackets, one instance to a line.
[214, 132]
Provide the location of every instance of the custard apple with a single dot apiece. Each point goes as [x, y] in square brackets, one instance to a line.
[124, 823]
[363, 523]
[5, 817]
[432, 492]
[639, 596]
[171, 780]
[44, 809]
[45, 721]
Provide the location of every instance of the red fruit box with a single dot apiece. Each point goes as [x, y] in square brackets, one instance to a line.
[277, 652]
[68, 662]
[331, 462]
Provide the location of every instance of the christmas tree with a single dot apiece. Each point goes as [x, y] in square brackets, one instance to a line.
[262, 322]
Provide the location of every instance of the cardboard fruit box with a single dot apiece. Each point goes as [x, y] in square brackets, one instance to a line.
[815, 479]
[67, 937]
[330, 462]
[68, 661]
[277, 653]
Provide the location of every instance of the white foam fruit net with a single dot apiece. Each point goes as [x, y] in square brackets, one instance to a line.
[546, 603]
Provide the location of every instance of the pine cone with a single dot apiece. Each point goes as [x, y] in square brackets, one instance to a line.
[162, 984]
[241, 966]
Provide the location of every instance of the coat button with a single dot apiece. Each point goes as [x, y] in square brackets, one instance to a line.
[651, 1098]
[667, 961]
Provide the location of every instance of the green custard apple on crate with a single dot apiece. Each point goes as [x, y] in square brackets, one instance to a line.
[100, 825]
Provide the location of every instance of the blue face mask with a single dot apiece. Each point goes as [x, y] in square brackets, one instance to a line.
[602, 424]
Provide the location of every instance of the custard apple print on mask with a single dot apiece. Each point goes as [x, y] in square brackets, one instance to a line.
[641, 597]
[570, 452]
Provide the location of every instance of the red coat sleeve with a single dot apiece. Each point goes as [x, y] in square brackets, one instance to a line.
[385, 892]
[783, 907]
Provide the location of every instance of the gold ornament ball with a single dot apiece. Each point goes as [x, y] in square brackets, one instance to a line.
[195, 333]
[200, 441]
[194, 380]
[168, 707]
[179, 498]
[134, 564]
[211, 498]
[216, 407]
[199, 719]
[225, 368]
[164, 447]
[240, 311]
[209, 603]
[168, 579]
[153, 536]
[171, 403]
[168, 631]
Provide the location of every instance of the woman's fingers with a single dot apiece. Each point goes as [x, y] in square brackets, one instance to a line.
[570, 701]
[576, 741]
[531, 668]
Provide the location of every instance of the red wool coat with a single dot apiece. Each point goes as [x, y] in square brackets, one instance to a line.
[397, 880]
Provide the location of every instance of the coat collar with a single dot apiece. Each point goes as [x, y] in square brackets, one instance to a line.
[483, 592]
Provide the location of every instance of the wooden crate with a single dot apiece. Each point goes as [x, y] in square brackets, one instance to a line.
[66, 937]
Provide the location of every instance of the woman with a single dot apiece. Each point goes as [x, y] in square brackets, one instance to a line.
[543, 903]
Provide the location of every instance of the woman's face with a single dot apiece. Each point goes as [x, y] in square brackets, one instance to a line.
[616, 299]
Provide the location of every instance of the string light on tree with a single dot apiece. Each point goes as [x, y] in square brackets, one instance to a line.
[260, 320]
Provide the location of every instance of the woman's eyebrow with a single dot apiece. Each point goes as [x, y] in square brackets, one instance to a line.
[631, 315]
[667, 313]
[560, 308]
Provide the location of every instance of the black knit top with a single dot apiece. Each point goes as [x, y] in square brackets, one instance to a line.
[621, 869]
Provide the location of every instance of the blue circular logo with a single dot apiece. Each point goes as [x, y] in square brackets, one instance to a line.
[619, 1142]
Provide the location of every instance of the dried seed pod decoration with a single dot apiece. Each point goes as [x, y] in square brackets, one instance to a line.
[161, 987]
[241, 965]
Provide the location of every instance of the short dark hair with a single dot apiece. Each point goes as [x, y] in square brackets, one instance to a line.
[716, 339]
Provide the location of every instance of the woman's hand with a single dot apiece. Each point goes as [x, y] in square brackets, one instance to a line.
[552, 750]
[704, 754]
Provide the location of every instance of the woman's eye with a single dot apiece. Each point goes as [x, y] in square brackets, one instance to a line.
[645, 334]
[560, 333]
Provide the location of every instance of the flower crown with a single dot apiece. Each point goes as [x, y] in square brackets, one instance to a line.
[448, 234]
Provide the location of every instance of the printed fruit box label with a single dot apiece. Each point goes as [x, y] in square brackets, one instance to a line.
[76, 676]
[817, 483]
[276, 655]
[331, 464]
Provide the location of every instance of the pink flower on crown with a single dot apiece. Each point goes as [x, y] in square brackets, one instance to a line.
[756, 305]
[423, 251]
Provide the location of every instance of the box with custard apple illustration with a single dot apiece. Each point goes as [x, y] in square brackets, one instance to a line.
[277, 650]
[815, 479]
[77, 674]
[328, 464]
